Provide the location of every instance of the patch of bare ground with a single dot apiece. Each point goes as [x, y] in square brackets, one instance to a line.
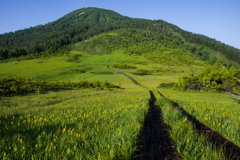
[155, 141]
[81, 13]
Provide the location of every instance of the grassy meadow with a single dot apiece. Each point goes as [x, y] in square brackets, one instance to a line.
[105, 124]
[189, 144]
[57, 68]
[216, 110]
[79, 124]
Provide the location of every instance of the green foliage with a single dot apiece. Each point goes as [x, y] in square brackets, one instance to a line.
[153, 45]
[72, 124]
[190, 144]
[49, 53]
[142, 72]
[169, 56]
[166, 85]
[167, 69]
[103, 73]
[123, 66]
[17, 85]
[133, 62]
[216, 78]
[109, 49]
[73, 57]
[80, 70]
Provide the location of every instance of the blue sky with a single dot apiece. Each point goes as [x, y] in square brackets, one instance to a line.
[219, 19]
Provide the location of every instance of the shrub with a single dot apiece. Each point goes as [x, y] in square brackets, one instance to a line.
[166, 85]
[73, 57]
[18, 85]
[81, 70]
[123, 66]
[142, 72]
[215, 78]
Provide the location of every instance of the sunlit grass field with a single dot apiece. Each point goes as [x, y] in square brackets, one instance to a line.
[189, 144]
[57, 68]
[105, 124]
[218, 111]
[74, 124]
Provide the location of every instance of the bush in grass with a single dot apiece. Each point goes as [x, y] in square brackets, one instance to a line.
[73, 57]
[166, 69]
[18, 85]
[215, 78]
[166, 85]
[143, 72]
[81, 70]
[133, 62]
[123, 66]
[109, 49]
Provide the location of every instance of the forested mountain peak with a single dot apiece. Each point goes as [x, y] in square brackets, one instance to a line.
[84, 23]
[91, 14]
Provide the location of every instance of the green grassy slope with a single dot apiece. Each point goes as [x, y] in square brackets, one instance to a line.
[95, 55]
[105, 124]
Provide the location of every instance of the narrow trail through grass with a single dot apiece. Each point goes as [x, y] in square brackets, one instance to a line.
[154, 141]
[146, 151]
[110, 124]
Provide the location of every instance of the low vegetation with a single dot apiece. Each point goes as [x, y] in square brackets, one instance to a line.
[19, 86]
[167, 69]
[80, 70]
[218, 111]
[132, 62]
[96, 125]
[188, 143]
[142, 72]
[166, 85]
[123, 66]
[73, 57]
[216, 78]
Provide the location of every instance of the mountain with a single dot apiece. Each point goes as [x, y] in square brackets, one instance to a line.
[55, 37]
[91, 15]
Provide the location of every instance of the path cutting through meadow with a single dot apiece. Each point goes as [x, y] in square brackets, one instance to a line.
[155, 141]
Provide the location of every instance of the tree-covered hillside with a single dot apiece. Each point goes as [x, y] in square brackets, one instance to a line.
[153, 45]
[84, 23]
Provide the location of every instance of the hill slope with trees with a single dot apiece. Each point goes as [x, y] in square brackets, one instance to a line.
[55, 37]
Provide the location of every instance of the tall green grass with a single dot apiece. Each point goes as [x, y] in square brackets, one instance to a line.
[217, 111]
[189, 144]
[58, 125]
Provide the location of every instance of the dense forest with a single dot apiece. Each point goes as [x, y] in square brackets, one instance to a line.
[55, 37]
